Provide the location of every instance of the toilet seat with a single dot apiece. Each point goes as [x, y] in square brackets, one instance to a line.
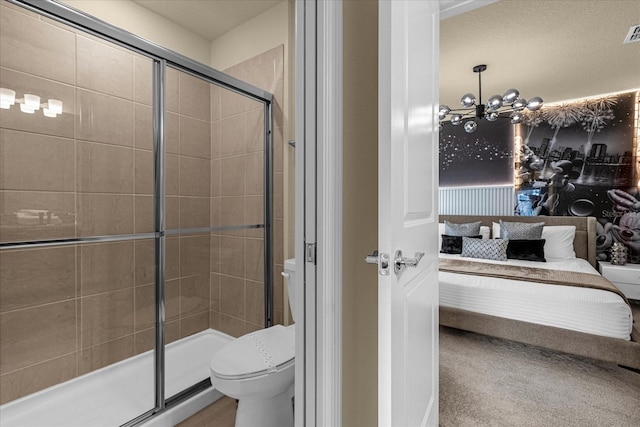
[258, 353]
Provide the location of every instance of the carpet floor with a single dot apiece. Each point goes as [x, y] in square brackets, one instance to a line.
[487, 381]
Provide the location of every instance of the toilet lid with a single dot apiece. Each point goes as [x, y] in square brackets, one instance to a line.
[261, 352]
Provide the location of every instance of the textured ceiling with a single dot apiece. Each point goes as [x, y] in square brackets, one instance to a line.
[555, 49]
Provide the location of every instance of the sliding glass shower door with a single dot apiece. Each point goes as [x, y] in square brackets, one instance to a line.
[135, 208]
[76, 208]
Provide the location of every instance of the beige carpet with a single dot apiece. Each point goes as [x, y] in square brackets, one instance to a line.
[491, 382]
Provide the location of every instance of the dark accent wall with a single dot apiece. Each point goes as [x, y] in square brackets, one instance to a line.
[575, 158]
[581, 159]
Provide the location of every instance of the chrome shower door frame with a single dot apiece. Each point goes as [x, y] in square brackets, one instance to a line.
[162, 59]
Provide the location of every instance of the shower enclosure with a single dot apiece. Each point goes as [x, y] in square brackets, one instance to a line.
[135, 203]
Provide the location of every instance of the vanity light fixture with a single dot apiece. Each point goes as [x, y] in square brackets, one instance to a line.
[30, 103]
[7, 98]
[497, 106]
[53, 108]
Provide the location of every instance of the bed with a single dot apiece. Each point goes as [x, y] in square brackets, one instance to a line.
[580, 319]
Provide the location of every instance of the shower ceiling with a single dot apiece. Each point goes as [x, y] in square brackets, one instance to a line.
[208, 18]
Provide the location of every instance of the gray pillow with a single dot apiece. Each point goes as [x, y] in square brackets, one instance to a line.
[521, 230]
[469, 229]
[495, 249]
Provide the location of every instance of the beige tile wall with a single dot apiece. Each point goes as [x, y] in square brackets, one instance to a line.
[65, 311]
[237, 257]
[69, 310]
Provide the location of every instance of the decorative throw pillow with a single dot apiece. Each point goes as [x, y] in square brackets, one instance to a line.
[559, 241]
[495, 230]
[526, 250]
[521, 230]
[495, 249]
[469, 229]
[453, 244]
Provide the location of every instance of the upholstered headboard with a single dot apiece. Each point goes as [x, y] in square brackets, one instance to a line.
[584, 243]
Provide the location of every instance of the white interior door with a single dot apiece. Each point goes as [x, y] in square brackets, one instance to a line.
[408, 213]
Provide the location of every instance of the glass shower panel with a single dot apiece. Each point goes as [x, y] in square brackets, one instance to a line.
[188, 216]
[114, 133]
[238, 172]
[78, 242]
[188, 201]
[215, 143]
[76, 191]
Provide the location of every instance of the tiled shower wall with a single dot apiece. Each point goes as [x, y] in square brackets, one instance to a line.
[68, 310]
[237, 256]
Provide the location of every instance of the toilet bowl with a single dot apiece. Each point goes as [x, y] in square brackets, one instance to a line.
[258, 369]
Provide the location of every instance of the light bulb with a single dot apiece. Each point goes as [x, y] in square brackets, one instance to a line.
[7, 97]
[468, 100]
[510, 96]
[534, 103]
[519, 104]
[55, 105]
[494, 103]
[25, 109]
[443, 111]
[48, 112]
[32, 102]
[470, 126]
[492, 116]
[516, 117]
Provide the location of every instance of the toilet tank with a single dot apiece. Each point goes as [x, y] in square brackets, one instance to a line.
[290, 277]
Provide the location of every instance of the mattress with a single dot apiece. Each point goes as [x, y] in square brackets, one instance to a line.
[592, 311]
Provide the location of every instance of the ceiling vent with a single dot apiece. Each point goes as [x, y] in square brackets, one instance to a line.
[633, 35]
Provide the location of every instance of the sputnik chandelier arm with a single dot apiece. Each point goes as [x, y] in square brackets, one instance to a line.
[510, 105]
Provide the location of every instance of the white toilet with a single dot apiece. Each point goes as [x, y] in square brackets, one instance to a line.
[258, 370]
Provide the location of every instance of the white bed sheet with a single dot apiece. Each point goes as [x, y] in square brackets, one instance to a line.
[579, 309]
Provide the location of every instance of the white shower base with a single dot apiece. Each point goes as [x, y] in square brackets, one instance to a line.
[116, 394]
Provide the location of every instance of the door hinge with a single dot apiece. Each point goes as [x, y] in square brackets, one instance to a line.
[310, 252]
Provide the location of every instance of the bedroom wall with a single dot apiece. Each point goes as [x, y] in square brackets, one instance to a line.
[577, 157]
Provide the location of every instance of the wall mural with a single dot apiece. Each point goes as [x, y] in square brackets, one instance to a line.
[583, 159]
[488, 152]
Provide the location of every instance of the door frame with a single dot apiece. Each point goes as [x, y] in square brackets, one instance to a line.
[318, 219]
[318, 206]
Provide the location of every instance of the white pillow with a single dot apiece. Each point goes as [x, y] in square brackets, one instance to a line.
[559, 241]
[440, 233]
[495, 230]
[485, 232]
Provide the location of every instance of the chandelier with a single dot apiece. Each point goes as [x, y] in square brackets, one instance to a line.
[510, 105]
